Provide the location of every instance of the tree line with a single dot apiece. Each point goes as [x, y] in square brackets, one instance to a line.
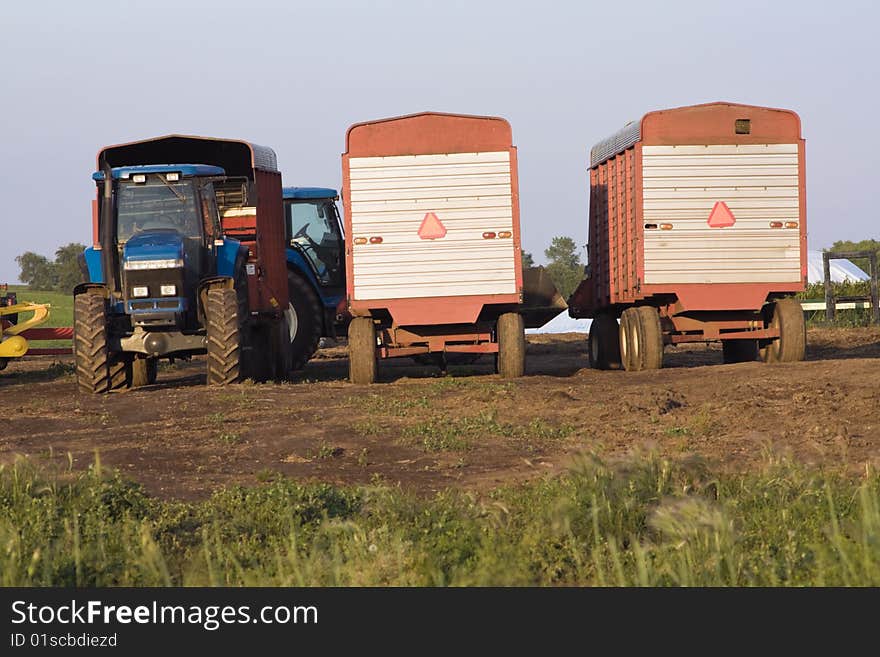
[59, 275]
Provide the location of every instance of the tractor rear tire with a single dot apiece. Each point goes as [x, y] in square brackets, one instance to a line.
[739, 351]
[631, 340]
[97, 369]
[362, 351]
[144, 372]
[603, 343]
[224, 336]
[652, 338]
[305, 320]
[511, 346]
[790, 346]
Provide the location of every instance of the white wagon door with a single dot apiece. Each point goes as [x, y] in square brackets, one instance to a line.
[432, 225]
[721, 214]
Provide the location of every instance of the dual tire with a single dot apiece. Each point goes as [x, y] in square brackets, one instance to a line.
[641, 339]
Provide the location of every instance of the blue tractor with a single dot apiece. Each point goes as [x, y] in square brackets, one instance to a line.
[166, 280]
[316, 269]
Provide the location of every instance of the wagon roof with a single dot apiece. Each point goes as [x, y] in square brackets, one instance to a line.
[632, 132]
[428, 132]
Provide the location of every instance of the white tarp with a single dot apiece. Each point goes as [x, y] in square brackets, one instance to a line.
[841, 270]
[562, 323]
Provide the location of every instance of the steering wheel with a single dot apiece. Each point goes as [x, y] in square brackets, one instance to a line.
[302, 231]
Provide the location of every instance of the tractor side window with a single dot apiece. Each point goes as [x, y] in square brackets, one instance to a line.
[313, 229]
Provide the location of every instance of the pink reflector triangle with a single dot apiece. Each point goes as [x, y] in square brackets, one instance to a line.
[432, 228]
[721, 216]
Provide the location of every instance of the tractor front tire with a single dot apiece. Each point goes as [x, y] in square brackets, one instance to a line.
[511, 346]
[790, 346]
[97, 369]
[224, 336]
[305, 320]
[144, 372]
[362, 351]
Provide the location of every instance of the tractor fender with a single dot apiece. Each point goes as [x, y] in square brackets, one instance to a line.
[98, 289]
[211, 282]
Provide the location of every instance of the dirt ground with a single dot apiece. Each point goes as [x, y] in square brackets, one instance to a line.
[470, 430]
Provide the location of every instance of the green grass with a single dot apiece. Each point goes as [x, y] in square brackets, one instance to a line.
[842, 318]
[647, 522]
[60, 313]
[439, 433]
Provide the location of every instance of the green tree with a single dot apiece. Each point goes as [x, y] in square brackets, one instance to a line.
[564, 267]
[842, 246]
[527, 259]
[59, 275]
[36, 271]
[67, 267]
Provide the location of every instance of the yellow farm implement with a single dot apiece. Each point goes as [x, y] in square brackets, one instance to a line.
[15, 332]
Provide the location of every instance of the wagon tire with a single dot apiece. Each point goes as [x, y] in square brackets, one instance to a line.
[652, 338]
[790, 346]
[362, 351]
[631, 340]
[511, 346]
[223, 320]
[603, 343]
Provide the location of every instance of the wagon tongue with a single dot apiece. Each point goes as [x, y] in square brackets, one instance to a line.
[541, 300]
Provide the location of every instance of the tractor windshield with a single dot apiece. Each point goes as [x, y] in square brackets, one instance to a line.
[157, 203]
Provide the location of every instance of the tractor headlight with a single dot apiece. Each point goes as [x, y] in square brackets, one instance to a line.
[168, 290]
[153, 264]
[140, 292]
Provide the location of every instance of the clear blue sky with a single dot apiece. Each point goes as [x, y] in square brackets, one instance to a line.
[294, 75]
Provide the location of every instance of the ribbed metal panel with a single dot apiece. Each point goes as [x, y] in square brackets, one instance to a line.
[616, 143]
[469, 192]
[758, 182]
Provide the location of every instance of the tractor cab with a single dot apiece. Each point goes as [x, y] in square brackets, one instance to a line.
[166, 227]
[314, 231]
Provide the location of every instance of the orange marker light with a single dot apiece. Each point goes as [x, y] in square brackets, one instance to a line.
[375, 240]
[505, 234]
[665, 226]
[360, 240]
[775, 224]
[791, 224]
[489, 235]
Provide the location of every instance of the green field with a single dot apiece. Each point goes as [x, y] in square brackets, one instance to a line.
[60, 313]
[648, 522]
